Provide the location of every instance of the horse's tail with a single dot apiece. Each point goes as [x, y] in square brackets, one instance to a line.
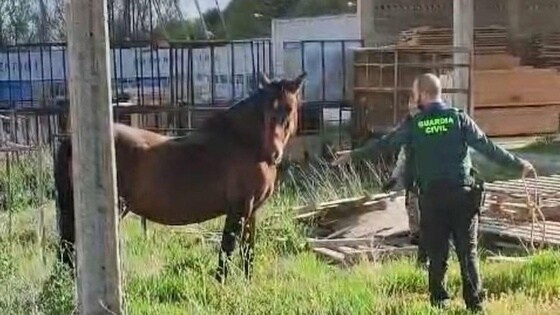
[65, 201]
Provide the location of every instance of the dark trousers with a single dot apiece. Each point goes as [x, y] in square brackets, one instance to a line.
[451, 213]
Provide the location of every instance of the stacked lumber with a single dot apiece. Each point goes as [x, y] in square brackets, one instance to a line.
[513, 100]
[487, 40]
[508, 213]
[546, 50]
[377, 240]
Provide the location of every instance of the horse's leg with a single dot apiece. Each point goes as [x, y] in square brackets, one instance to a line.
[232, 228]
[248, 238]
[247, 244]
[65, 203]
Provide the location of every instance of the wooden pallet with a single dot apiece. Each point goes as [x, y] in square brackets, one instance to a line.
[507, 214]
[547, 233]
[547, 186]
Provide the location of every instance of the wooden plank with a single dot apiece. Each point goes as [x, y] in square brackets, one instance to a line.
[380, 254]
[518, 120]
[521, 231]
[93, 163]
[331, 254]
[335, 243]
[347, 202]
[507, 259]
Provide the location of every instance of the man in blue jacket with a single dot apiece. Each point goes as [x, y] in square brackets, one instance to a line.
[449, 198]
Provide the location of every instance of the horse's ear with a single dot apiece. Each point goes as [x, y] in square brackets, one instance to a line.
[263, 79]
[298, 82]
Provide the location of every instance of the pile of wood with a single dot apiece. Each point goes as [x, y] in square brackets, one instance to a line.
[487, 40]
[375, 228]
[509, 210]
[328, 212]
[516, 100]
[344, 234]
[545, 50]
[509, 99]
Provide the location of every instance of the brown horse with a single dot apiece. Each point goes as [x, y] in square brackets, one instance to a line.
[227, 167]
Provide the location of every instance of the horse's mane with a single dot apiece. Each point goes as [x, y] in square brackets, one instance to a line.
[228, 121]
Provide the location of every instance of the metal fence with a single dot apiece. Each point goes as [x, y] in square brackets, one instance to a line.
[150, 83]
[173, 86]
[327, 90]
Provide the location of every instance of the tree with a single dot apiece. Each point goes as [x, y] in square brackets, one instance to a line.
[14, 22]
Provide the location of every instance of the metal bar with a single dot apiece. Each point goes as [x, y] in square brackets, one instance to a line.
[191, 76]
[152, 76]
[172, 77]
[270, 59]
[30, 76]
[263, 45]
[115, 91]
[323, 78]
[255, 84]
[20, 76]
[232, 71]
[159, 76]
[141, 98]
[212, 76]
[257, 44]
[121, 68]
[51, 69]
[183, 74]
[396, 86]
[138, 76]
[65, 75]
[343, 47]
[302, 48]
[10, 96]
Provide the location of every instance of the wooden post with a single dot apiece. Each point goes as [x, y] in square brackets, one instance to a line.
[93, 163]
[463, 29]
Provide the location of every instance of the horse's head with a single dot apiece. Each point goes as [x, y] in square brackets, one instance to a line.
[280, 115]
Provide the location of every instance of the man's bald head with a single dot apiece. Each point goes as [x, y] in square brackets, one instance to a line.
[426, 89]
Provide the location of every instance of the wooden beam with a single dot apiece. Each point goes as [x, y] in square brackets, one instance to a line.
[95, 197]
[463, 33]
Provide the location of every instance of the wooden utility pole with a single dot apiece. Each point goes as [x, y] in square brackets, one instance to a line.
[93, 163]
[463, 37]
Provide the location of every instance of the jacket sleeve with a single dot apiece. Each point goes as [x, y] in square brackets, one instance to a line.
[396, 138]
[478, 140]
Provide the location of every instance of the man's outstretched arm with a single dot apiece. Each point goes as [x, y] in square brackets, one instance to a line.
[396, 138]
[478, 140]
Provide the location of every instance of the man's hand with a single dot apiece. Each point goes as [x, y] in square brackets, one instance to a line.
[341, 157]
[528, 168]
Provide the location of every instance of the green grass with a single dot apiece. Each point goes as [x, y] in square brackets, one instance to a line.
[171, 271]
